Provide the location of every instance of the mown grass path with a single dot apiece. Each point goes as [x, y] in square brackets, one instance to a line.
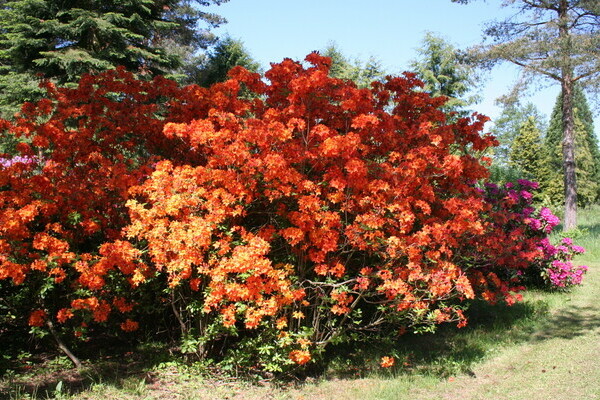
[560, 361]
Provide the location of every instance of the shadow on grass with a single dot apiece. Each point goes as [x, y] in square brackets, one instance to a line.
[450, 350]
[570, 323]
[593, 230]
[49, 375]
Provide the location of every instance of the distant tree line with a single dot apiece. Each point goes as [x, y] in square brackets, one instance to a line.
[530, 148]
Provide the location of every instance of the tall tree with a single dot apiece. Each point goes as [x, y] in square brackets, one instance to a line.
[444, 74]
[61, 40]
[557, 40]
[587, 154]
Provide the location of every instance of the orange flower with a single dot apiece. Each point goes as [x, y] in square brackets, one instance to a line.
[195, 284]
[63, 315]
[100, 314]
[129, 326]
[297, 315]
[304, 343]
[122, 305]
[300, 357]
[387, 362]
[281, 323]
[37, 318]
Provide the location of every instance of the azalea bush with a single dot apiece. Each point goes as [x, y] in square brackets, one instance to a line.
[270, 217]
[559, 271]
[515, 217]
[321, 209]
[62, 198]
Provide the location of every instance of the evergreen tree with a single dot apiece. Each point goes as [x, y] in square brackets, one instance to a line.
[341, 66]
[227, 54]
[61, 40]
[587, 153]
[440, 68]
[526, 150]
[355, 70]
[587, 165]
[371, 71]
[587, 185]
[508, 124]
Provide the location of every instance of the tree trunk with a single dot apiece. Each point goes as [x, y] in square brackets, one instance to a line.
[63, 346]
[568, 147]
[568, 142]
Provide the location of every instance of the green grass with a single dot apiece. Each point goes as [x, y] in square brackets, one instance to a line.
[545, 347]
[587, 233]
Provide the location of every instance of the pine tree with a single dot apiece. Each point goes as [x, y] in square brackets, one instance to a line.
[586, 152]
[61, 40]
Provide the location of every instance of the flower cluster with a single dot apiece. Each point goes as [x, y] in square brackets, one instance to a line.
[26, 160]
[529, 229]
[63, 196]
[559, 270]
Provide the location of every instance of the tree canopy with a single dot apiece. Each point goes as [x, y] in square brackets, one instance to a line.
[508, 124]
[440, 68]
[361, 73]
[557, 40]
[526, 150]
[62, 40]
[227, 54]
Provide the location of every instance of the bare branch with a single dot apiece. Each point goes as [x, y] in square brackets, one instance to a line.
[538, 70]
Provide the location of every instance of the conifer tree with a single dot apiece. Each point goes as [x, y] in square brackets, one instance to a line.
[360, 73]
[227, 54]
[526, 150]
[508, 125]
[587, 153]
[61, 40]
[440, 68]
[587, 166]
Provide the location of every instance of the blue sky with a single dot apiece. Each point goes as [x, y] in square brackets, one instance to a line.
[389, 30]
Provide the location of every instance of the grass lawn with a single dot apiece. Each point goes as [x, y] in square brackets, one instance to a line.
[546, 347]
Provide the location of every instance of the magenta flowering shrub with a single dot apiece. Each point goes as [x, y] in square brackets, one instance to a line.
[558, 269]
[514, 216]
[26, 160]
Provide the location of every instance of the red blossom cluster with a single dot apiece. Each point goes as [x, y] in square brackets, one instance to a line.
[62, 212]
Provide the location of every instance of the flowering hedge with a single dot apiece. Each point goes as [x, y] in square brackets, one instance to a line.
[295, 215]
